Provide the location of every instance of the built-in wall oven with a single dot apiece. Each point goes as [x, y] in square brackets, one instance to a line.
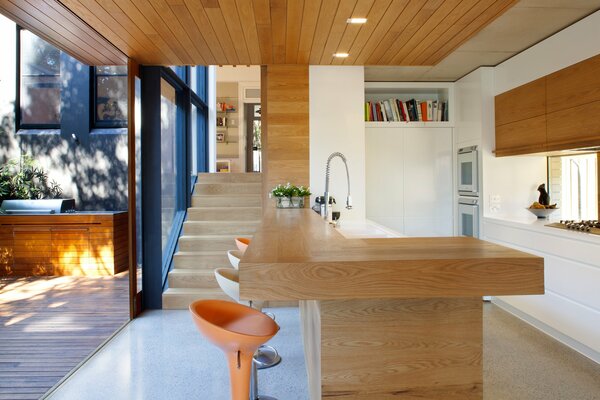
[468, 216]
[468, 171]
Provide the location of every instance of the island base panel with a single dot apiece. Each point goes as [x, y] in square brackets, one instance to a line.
[398, 349]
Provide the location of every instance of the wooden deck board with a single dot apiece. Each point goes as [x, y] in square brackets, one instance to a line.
[49, 325]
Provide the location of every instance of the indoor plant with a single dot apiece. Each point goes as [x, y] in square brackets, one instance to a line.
[290, 196]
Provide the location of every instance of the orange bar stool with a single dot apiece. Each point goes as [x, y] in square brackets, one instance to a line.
[242, 243]
[238, 331]
[229, 281]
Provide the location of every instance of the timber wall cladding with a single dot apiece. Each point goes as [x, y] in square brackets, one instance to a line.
[285, 125]
[43, 245]
[260, 32]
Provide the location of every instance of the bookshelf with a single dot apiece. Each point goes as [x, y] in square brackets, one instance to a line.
[420, 92]
[227, 127]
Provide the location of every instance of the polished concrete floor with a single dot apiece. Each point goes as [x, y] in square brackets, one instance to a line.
[161, 356]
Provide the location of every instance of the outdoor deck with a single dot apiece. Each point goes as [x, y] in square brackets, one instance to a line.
[49, 325]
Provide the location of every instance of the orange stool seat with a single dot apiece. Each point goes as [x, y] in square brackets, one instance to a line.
[238, 331]
[242, 243]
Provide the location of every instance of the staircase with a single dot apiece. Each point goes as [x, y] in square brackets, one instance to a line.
[224, 206]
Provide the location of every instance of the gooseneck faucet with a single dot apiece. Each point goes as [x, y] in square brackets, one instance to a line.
[325, 207]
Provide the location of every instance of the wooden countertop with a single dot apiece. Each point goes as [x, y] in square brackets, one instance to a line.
[296, 255]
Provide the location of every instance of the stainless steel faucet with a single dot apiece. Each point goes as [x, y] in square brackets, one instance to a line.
[325, 207]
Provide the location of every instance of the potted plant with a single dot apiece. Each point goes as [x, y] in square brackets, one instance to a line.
[23, 180]
[290, 196]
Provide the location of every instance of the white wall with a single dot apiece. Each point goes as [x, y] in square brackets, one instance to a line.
[570, 310]
[229, 73]
[507, 184]
[8, 67]
[569, 46]
[514, 180]
[211, 98]
[337, 124]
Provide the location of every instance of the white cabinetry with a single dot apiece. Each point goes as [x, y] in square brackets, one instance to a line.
[409, 179]
[570, 308]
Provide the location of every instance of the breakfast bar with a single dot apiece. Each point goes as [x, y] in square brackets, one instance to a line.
[384, 318]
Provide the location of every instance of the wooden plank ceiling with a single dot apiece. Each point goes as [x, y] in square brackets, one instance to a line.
[254, 32]
[57, 25]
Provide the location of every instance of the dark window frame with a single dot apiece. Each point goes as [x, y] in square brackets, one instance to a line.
[95, 123]
[18, 124]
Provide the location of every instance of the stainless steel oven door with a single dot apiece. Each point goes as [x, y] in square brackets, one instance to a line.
[467, 171]
[468, 217]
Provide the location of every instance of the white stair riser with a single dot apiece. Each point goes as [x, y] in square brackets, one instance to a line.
[204, 280]
[183, 301]
[224, 214]
[227, 178]
[192, 243]
[201, 261]
[227, 201]
[227, 228]
[227, 188]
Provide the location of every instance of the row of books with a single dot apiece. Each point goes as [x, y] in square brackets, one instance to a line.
[410, 110]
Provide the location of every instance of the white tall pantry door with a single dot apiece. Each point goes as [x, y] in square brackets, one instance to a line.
[409, 179]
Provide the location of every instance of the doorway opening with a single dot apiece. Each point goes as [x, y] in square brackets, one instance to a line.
[253, 138]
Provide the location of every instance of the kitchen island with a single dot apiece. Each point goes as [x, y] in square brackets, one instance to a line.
[384, 318]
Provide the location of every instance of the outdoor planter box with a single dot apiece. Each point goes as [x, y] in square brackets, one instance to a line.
[82, 244]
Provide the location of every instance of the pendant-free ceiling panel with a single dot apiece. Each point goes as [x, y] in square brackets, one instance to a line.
[50, 20]
[176, 32]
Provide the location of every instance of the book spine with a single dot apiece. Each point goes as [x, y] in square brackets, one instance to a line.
[394, 104]
[405, 111]
[429, 110]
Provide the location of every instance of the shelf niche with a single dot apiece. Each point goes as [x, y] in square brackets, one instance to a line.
[404, 91]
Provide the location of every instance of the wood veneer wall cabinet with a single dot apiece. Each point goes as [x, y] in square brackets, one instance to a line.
[285, 125]
[573, 106]
[521, 119]
[73, 244]
[557, 112]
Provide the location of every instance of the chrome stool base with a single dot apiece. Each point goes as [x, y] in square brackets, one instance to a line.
[266, 357]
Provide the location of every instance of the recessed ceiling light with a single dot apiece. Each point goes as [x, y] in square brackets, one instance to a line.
[341, 55]
[356, 20]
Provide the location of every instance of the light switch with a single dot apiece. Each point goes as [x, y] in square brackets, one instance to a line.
[495, 203]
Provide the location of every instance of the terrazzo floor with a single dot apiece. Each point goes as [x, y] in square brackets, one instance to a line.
[161, 356]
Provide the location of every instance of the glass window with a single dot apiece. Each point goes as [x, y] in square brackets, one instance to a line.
[198, 81]
[40, 82]
[198, 139]
[169, 169]
[111, 96]
[573, 184]
[194, 139]
[180, 71]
